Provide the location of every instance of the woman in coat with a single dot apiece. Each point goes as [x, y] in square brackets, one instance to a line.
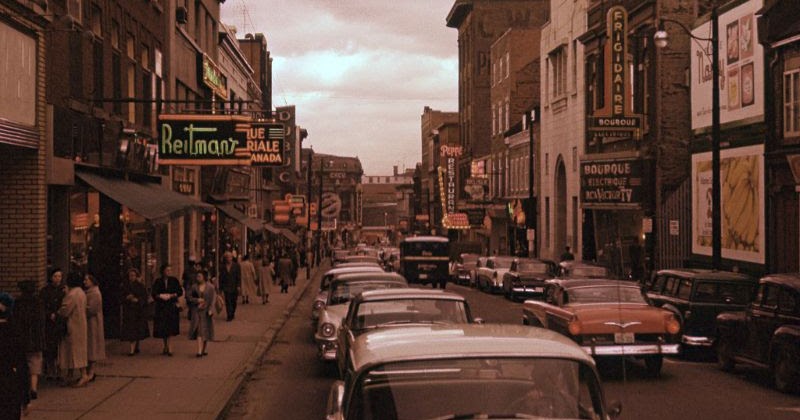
[249, 277]
[166, 318]
[54, 328]
[73, 347]
[29, 319]
[266, 276]
[134, 306]
[96, 341]
[201, 300]
[13, 367]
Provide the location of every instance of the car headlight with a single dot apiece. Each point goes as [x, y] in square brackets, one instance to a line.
[673, 325]
[319, 304]
[327, 330]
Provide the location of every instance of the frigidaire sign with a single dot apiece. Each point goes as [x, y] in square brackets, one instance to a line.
[203, 140]
[611, 182]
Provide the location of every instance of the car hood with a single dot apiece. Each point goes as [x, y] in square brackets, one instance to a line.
[334, 314]
[612, 318]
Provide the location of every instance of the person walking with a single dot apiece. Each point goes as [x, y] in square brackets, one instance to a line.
[166, 318]
[249, 276]
[28, 317]
[266, 278]
[567, 255]
[13, 366]
[200, 301]
[295, 259]
[95, 333]
[285, 270]
[230, 283]
[54, 327]
[188, 277]
[134, 304]
[72, 350]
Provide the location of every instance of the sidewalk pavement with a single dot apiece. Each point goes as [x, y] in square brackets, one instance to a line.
[153, 386]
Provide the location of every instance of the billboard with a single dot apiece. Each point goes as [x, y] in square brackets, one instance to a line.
[741, 69]
[203, 140]
[742, 203]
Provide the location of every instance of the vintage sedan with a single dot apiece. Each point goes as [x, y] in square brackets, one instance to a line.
[342, 290]
[582, 270]
[490, 277]
[608, 318]
[465, 269]
[474, 372]
[697, 296]
[767, 333]
[328, 277]
[391, 308]
[527, 277]
[359, 259]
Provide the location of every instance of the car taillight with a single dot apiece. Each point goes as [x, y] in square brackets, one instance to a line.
[672, 324]
[574, 327]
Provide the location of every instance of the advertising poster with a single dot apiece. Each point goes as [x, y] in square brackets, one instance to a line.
[742, 203]
[741, 71]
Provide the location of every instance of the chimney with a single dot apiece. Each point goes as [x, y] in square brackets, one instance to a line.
[395, 170]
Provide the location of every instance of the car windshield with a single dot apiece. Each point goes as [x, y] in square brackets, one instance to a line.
[503, 262]
[342, 292]
[605, 294]
[589, 272]
[532, 267]
[469, 259]
[505, 388]
[718, 292]
[406, 311]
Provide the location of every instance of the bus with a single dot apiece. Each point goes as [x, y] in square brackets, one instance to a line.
[425, 260]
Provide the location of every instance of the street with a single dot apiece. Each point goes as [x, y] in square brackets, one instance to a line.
[292, 384]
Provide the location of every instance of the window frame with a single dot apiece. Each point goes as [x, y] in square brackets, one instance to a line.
[791, 102]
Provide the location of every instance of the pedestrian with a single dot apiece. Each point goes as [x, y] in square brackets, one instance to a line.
[13, 366]
[567, 255]
[166, 318]
[230, 283]
[72, 350]
[293, 255]
[54, 327]
[201, 300]
[189, 275]
[249, 276]
[266, 278]
[285, 270]
[28, 317]
[134, 306]
[95, 331]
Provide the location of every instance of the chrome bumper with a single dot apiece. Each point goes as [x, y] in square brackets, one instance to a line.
[528, 289]
[695, 341]
[632, 349]
[326, 350]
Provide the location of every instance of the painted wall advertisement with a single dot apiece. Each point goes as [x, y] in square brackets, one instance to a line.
[741, 69]
[742, 202]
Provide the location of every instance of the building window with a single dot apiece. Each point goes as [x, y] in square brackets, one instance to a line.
[547, 163]
[508, 60]
[574, 159]
[97, 20]
[558, 62]
[130, 46]
[115, 34]
[131, 91]
[574, 222]
[547, 222]
[791, 103]
[116, 80]
[574, 70]
[98, 73]
[74, 9]
[145, 60]
[494, 119]
[508, 114]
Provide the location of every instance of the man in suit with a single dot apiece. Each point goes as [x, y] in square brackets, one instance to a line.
[230, 282]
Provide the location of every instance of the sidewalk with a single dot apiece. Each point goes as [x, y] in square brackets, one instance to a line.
[153, 386]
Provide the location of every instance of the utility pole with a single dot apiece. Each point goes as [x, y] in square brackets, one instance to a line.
[307, 239]
[318, 248]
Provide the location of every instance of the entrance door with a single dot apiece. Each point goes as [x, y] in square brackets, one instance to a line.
[561, 211]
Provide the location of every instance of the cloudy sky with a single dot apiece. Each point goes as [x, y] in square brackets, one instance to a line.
[359, 71]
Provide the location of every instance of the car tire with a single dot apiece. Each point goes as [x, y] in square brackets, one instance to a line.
[725, 359]
[653, 365]
[784, 368]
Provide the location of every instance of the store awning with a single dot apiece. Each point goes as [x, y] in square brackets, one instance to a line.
[257, 226]
[272, 229]
[149, 200]
[291, 236]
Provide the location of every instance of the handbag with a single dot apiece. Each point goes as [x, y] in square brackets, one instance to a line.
[219, 304]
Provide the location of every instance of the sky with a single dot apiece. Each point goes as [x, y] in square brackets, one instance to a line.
[359, 71]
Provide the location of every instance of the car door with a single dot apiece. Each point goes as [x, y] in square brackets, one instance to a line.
[759, 320]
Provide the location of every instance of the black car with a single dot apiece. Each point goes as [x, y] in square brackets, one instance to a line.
[697, 296]
[767, 333]
[527, 277]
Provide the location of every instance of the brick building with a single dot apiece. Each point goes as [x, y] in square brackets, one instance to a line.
[430, 121]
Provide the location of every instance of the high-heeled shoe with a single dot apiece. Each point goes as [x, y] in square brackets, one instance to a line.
[199, 355]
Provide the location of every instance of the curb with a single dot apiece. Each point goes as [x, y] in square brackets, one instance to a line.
[231, 388]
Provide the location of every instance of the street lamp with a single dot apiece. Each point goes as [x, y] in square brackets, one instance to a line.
[661, 39]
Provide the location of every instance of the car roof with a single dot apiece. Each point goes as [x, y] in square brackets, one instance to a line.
[463, 340]
[705, 274]
[378, 276]
[503, 257]
[354, 269]
[410, 293]
[787, 279]
[426, 239]
[574, 283]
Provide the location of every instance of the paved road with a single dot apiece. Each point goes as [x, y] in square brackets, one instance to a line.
[291, 384]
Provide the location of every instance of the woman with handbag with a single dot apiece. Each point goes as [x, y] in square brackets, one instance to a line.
[54, 327]
[201, 300]
[134, 311]
[166, 318]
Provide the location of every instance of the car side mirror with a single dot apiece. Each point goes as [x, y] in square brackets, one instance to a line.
[614, 409]
[478, 320]
[335, 401]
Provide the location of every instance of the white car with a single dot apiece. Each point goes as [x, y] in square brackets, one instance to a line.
[490, 277]
[328, 277]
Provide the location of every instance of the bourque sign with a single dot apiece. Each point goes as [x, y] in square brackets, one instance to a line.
[612, 182]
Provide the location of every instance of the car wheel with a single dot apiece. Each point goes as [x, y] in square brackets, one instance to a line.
[725, 359]
[784, 369]
[653, 365]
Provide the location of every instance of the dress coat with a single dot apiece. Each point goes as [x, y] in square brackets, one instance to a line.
[29, 319]
[13, 372]
[96, 341]
[134, 316]
[166, 318]
[286, 270]
[51, 298]
[266, 278]
[249, 278]
[72, 350]
[202, 324]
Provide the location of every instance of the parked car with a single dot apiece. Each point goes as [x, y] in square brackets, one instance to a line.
[608, 318]
[359, 259]
[527, 277]
[342, 290]
[468, 371]
[767, 333]
[464, 268]
[328, 277]
[339, 255]
[392, 308]
[490, 277]
[697, 296]
[582, 270]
